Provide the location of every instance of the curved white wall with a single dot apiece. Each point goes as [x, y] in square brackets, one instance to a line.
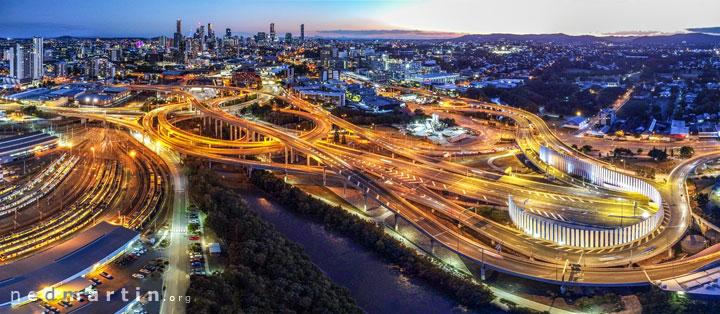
[587, 236]
[576, 235]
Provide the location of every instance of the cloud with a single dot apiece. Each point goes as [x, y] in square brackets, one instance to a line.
[708, 30]
[639, 33]
[25, 30]
[388, 33]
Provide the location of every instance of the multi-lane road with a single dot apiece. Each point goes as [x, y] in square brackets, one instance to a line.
[402, 173]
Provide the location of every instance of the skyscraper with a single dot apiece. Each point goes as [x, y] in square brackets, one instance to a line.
[26, 60]
[288, 38]
[273, 37]
[260, 37]
[38, 58]
[178, 38]
[228, 33]
[210, 33]
[302, 32]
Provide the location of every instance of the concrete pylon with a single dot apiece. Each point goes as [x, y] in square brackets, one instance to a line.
[365, 207]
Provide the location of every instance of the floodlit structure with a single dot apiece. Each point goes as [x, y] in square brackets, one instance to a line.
[570, 234]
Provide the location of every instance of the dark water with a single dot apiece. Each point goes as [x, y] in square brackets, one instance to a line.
[374, 284]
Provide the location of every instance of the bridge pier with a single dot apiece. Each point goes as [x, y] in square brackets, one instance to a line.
[286, 154]
[482, 272]
[324, 176]
[344, 189]
[250, 169]
[563, 289]
[432, 246]
[365, 208]
[396, 222]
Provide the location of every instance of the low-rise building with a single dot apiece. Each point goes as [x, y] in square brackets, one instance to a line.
[577, 122]
[63, 263]
[678, 130]
[436, 78]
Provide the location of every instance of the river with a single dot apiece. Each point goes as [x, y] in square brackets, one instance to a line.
[374, 284]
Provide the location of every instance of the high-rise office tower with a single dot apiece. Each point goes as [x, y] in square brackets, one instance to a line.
[288, 38]
[37, 56]
[210, 30]
[19, 63]
[260, 37]
[178, 38]
[26, 61]
[273, 37]
[200, 33]
[302, 32]
[228, 33]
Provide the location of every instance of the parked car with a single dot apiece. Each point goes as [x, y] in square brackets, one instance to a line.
[138, 276]
[194, 238]
[106, 275]
[97, 281]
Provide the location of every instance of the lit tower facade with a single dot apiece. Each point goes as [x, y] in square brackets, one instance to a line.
[273, 36]
[178, 37]
[26, 60]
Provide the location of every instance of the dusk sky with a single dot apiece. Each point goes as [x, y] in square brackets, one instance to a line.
[355, 18]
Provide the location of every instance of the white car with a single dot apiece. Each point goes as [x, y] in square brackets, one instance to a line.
[138, 276]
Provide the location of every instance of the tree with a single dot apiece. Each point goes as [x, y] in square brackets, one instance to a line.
[686, 152]
[621, 151]
[586, 148]
[336, 136]
[658, 155]
[193, 227]
[639, 151]
[343, 141]
[703, 199]
[450, 122]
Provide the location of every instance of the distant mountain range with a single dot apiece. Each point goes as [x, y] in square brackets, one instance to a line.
[689, 38]
[698, 36]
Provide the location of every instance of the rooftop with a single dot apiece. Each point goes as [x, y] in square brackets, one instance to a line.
[63, 261]
[25, 142]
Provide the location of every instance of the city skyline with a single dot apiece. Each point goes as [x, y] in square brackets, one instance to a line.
[360, 156]
[358, 19]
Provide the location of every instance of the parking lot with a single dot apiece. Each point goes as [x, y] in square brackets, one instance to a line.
[114, 285]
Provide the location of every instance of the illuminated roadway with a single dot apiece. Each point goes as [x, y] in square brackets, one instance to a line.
[340, 163]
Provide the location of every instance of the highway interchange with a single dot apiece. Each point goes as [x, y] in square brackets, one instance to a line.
[429, 191]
